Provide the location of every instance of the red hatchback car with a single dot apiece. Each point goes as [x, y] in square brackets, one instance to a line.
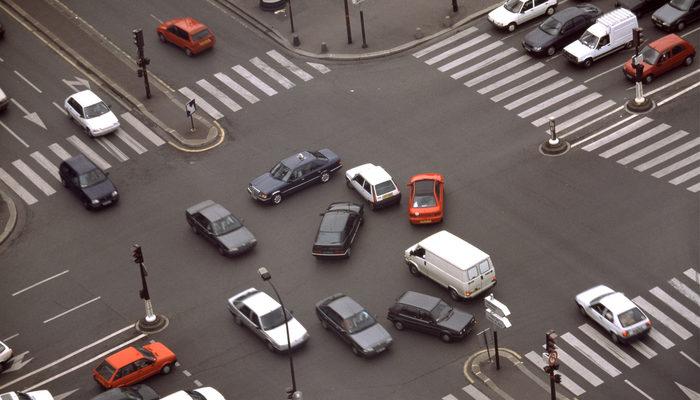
[186, 33]
[661, 56]
[134, 364]
[426, 198]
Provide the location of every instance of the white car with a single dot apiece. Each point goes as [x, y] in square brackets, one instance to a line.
[617, 314]
[516, 12]
[4, 101]
[374, 184]
[5, 355]
[203, 393]
[263, 315]
[37, 395]
[91, 113]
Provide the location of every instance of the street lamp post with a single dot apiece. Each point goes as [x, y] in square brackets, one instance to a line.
[292, 392]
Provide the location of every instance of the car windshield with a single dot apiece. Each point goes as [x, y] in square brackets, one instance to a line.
[333, 222]
[358, 322]
[683, 5]
[91, 178]
[513, 5]
[385, 187]
[650, 56]
[589, 39]
[96, 110]
[551, 26]
[281, 172]
[23, 396]
[441, 311]
[423, 194]
[274, 319]
[631, 317]
[196, 37]
[146, 353]
[105, 370]
[195, 395]
[225, 225]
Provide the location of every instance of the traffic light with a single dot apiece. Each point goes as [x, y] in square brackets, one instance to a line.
[550, 343]
[638, 38]
[557, 378]
[138, 37]
[137, 254]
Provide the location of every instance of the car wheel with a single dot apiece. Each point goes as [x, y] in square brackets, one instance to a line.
[166, 369]
[86, 204]
[588, 62]
[347, 255]
[372, 206]
[277, 198]
[161, 37]
[325, 177]
[446, 338]
[398, 325]
[614, 337]
[629, 45]
[582, 311]
[87, 131]
[347, 183]
[550, 10]
[648, 79]
[324, 324]
[680, 26]
[511, 27]
[222, 251]
[194, 229]
[454, 295]
[188, 52]
[237, 319]
[356, 351]
[414, 270]
[688, 60]
[551, 50]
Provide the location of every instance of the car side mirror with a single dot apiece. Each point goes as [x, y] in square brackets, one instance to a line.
[106, 173]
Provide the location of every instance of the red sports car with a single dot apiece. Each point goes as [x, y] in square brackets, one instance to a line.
[426, 199]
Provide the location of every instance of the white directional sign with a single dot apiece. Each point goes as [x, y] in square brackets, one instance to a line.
[30, 116]
[191, 107]
[77, 82]
[498, 321]
[17, 362]
[496, 306]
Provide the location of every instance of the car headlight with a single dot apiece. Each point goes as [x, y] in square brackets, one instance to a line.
[115, 194]
[95, 201]
[263, 195]
[537, 48]
[233, 249]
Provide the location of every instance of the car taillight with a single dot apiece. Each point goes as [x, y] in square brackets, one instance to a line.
[493, 278]
[625, 333]
[649, 324]
[467, 293]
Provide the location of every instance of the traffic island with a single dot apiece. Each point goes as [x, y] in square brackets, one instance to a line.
[554, 149]
[157, 324]
[638, 106]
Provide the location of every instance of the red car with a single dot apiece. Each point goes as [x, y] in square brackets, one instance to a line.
[186, 33]
[426, 198]
[134, 364]
[661, 56]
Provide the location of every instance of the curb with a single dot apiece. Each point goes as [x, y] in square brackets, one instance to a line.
[12, 220]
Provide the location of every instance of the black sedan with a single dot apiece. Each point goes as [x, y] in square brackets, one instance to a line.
[135, 392]
[293, 174]
[219, 226]
[560, 29]
[338, 229]
[87, 181]
[430, 315]
[640, 7]
[353, 324]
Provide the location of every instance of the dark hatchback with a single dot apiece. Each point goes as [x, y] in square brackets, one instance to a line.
[338, 229]
[135, 392]
[676, 14]
[353, 324]
[560, 29]
[216, 224]
[87, 181]
[640, 7]
[293, 174]
[431, 315]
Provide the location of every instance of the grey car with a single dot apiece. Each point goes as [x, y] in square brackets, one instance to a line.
[353, 324]
[134, 392]
[215, 223]
[676, 14]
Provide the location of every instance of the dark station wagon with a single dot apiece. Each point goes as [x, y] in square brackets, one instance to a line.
[338, 230]
[87, 181]
[216, 224]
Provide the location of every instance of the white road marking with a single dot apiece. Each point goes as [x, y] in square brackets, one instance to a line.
[565, 381]
[693, 275]
[143, 129]
[567, 109]
[688, 175]
[444, 42]
[510, 78]
[64, 394]
[61, 109]
[666, 100]
[634, 141]
[673, 82]
[18, 362]
[668, 155]
[254, 80]
[72, 309]
[584, 115]
[617, 134]
[590, 354]
[638, 390]
[592, 121]
[604, 72]
[551, 101]
[473, 54]
[59, 151]
[457, 49]
[89, 153]
[611, 348]
[269, 71]
[38, 181]
[219, 95]
[40, 282]
[471, 391]
[198, 383]
[450, 397]
[642, 348]
[156, 18]
[17, 188]
[10, 337]
[652, 147]
[201, 103]
[531, 82]
[14, 134]
[28, 82]
[676, 166]
[496, 71]
[660, 339]
[233, 85]
[537, 93]
[48, 165]
[674, 326]
[553, 57]
[690, 359]
[130, 141]
[112, 149]
[283, 61]
[578, 368]
[187, 373]
[484, 63]
[319, 67]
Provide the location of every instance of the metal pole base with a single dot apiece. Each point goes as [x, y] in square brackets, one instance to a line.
[644, 105]
[295, 40]
[158, 324]
[554, 147]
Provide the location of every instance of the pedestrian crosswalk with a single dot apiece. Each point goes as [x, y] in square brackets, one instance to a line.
[226, 92]
[38, 175]
[537, 93]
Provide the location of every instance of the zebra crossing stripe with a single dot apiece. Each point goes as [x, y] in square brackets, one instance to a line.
[510, 78]
[661, 317]
[695, 188]
[143, 129]
[532, 82]
[484, 63]
[585, 115]
[652, 148]
[17, 188]
[130, 141]
[685, 290]
[219, 95]
[565, 381]
[319, 67]
[578, 368]
[89, 153]
[247, 75]
[449, 397]
[677, 165]
[112, 149]
[59, 151]
[668, 155]
[590, 354]
[549, 102]
[34, 177]
[269, 71]
[201, 103]
[457, 49]
[46, 164]
[473, 54]
[566, 109]
[617, 134]
[537, 93]
[444, 42]
[692, 274]
[660, 339]
[682, 178]
[605, 343]
[474, 393]
[283, 61]
[645, 350]
[496, 71]
[233, 85]
[637, 139]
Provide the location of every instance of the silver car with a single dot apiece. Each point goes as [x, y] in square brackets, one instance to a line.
[263, 315]
[613, 311]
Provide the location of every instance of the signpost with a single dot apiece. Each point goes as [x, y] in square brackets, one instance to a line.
[191, 108]
[497, 313]
[362, 21]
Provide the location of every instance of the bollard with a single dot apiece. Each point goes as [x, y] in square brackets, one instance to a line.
[446, 23]
[418, 34]
[324, 48]
[295, 40]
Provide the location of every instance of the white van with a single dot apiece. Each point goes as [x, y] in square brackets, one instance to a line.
[611, 32]
[453, 263]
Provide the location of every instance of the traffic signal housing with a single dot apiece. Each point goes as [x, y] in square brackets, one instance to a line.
[550, 342]
[137, 254]
[637, 36]
[138, 37]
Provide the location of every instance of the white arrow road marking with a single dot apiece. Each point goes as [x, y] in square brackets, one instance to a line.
[77, 82]
[64, 395]
[18, 362]
[692, 395]
[33, 117]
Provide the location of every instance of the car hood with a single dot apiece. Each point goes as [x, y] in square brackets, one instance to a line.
[668, 14]
[538, 38]
[239, 237]
[159, 350]
[578, 49]
[100, 190]
[457, 321]
[279, 334]
[266, 183]
[371, 337]
[104, 121]
[630, 4]
[502, 15]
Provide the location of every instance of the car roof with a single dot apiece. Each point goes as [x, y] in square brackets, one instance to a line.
[86, 98]
[568, 13]
[453, 249]
[345, 306]
[124, 357]
[424, 187]
[298, 159]
[419, 300]
[335, 220]
[80, 163]
[666, 42]
[374, 174]
[261, 303]
[617, 302]
[214, 212]
[189, 24]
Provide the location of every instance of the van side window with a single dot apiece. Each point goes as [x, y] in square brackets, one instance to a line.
[419, 252]
[472, 273]
[484, 267]
[605, 40]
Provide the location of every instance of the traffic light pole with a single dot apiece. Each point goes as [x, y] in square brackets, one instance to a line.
[142, 61]
[639, 103]
[152, 322]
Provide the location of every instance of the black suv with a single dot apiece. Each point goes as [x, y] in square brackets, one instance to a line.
[430, 315]
[88, 182]
[293, 174]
